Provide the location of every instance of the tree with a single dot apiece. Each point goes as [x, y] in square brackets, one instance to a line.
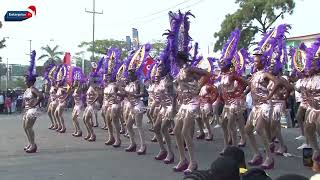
[52, 54]
[101, 47]
[78, 57]
[253, 16]
[157, 47]
[3, 69]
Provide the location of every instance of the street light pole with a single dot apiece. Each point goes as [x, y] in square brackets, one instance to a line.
[7, 79]
[7, 69]
[30, 45]
[93, 12]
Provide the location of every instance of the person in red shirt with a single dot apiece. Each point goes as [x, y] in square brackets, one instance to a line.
[7, 104]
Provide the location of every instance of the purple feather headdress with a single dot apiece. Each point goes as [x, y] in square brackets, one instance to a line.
[313, 54]
[61, 74]
[96, 72]
[31, 75]
[178, 38]
[122, 72]
[196, 57]
[47, 75]
[270, 41]
[112, 63]
[297, 60]
[212, 62]
[242, 58]
[229, 49]
[77, 75]
[137, 59]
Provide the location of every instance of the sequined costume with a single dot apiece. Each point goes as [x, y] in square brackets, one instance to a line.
[278, 103]
[61, 97]
[167, 101]
[112, 100]
[91, 97]
[207, 95]
[313, 98]
[78, 104]
[53, 97]
[135, 104]
[188, 95]
[31, 112]
[259, 93]
[232, 92]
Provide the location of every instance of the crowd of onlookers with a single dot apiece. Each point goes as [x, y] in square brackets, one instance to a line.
[10, 101]
[232, 166]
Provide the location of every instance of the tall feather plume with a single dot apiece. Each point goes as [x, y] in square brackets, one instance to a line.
[47, 71]
[270, 40]
[230, 47]
[212, 62]
[147, 48]
[313, 52]
[242, 59]
[99, 65]
[178, 37]
[77, 74]
[196, 57]
[31, 68]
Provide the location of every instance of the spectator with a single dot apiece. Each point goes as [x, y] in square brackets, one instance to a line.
[237, 154]
[13, 96]
[225, 168]
[292, 177]
[19, 103]
[255, 174]
[1, 102]
[249, 106]
[8, 104]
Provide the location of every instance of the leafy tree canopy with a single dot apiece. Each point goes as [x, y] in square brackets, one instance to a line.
[51, 54]
[253, 16]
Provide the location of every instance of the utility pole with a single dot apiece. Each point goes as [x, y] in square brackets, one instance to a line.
[93, 12]
[7, 79]
[30, 46]
[6, 72]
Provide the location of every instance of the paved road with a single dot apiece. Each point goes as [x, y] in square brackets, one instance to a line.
[64, 157]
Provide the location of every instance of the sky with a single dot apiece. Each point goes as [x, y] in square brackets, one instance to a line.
[65, 22]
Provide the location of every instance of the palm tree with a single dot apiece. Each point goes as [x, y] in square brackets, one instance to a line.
[52, 54]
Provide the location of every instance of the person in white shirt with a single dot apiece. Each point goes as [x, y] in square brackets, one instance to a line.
[1, 102]
[249, 104]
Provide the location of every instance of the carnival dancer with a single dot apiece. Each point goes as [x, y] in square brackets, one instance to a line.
[278, 100]
[62, 95]
[77, 79]
[113, 107]
[49, 75]
[121, 79]
[312, 124]
[186, 79]
[31, 99]
[134, 92]
[153, 98]
[165, 95]
[260, 114]
[104, 104]
[298, 56]
[232, 87]
[92, 96]
[208, 94]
